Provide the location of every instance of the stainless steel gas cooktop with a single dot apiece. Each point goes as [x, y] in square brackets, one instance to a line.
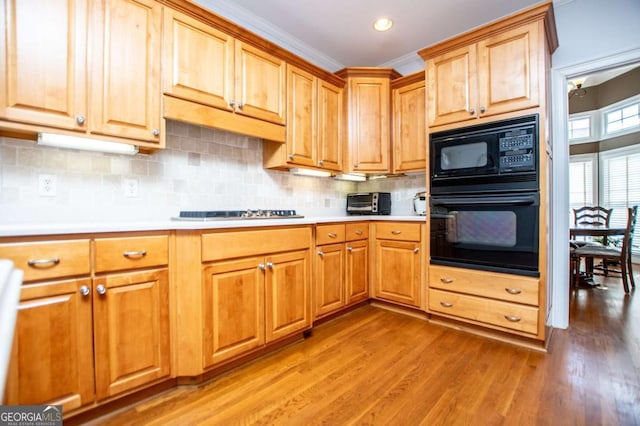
[206, 215]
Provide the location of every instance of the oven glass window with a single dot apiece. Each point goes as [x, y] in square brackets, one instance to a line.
[490, 228]
[464, 156]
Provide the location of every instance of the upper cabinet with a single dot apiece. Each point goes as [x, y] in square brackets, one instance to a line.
[495, 70]
[369, 118]
[45, 60]
[409, 126]
[314, 124]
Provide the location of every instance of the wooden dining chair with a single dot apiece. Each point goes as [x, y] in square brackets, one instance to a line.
[619, 254]
[588, 216]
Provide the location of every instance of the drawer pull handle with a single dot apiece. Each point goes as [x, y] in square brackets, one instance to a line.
[513, 290]
[446, 304]
[44, 263]
[349, 249]
[446, 280]
[130, 254]
[511, 318]
[396, 232]
[358, 231]
[332, 235]
[320, 253]
[101, 289]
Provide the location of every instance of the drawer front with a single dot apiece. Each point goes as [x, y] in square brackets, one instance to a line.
[502, 314]
[330, 233]
[357, 231]
[398, 231]
[511, 288]
[48, 260]
[114, 254]
[232, 244]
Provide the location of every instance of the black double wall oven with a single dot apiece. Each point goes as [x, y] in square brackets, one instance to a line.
[485, 201]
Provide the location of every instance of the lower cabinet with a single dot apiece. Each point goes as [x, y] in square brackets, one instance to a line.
[398, 263]
[81, 340]
[500, 301]
[341, 276]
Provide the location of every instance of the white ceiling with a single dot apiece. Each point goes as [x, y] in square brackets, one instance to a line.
[339, 33]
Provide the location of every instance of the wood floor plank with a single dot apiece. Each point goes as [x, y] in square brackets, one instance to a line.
[376, 367]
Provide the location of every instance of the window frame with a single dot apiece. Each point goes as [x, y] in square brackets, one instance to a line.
[605, 111]
[594, 130]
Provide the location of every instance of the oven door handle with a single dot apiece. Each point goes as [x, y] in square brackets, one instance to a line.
[475, 201]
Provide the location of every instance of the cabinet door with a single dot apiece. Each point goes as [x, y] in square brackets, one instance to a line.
[357, 271]
[452, 86]
[301, 117]
[260, 84]
[126, 70]
[288, 294]
[508, 71]
[369, 105]
[198, 61]
[43, 59]
[409, 122]
[330, 117]
[233, 308]
[131, 329]
[52, 356]
[398, 271]
[329, 290]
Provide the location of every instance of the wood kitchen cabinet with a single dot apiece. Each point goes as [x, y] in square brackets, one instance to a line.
[341, 277]
[398, 263]
[256, 290]
[314, 125]
[495, 70]
[80, 340]
[409, 123]
[368, 118]
[46, 62]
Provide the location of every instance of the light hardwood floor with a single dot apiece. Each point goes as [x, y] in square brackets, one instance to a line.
[375, 367]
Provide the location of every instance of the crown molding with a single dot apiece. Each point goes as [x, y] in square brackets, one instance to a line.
[406, 64]
[266, 29]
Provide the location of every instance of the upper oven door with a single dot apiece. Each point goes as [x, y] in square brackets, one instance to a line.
[474, 155]
[496, 233]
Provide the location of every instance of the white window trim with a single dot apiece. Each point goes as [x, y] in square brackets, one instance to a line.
[594, 131]
[593, 157]
[609, 108]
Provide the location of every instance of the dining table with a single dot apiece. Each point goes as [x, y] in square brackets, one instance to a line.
[586, 279]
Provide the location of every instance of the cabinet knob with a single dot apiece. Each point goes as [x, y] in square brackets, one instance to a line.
[446, 304]
[232, 104]
[80, 119]
[482, 110]
[320, 162]
[156, 132]
[290, 156]
[358, 231]
[240, 105]
[355, 166]
[512, 318]
[139, 253]
[261, 266]
[101, 289]
[270, 265]
[472, 111]
[85, 290]
[320, 253]
[349, 249]
[513, 290]
[416, 250]
[43, 263]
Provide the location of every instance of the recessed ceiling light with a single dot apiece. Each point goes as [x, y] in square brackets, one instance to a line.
[383, 24]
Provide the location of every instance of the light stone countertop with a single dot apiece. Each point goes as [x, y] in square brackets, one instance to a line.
[27, 229]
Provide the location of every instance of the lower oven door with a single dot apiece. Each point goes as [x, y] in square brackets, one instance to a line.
[496, 232]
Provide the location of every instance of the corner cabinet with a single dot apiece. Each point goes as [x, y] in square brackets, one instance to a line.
[409, 123]
[48, 83]
[369, 119]
[314, 130]
[495, 70]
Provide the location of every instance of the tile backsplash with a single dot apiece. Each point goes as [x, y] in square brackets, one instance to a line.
[201, 168]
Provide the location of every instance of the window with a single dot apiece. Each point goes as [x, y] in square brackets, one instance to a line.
[579, 128]
[621, 184]
[621, 118]
[583, 172]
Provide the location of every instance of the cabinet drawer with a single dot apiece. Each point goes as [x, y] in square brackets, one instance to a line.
[113, 254]
[398, 231]
[227, 245]
[502, 314]
[330, 233]
[357, 231]
[47, 260]
[512, 288]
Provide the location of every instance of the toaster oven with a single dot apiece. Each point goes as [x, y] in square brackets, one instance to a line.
[378, 203]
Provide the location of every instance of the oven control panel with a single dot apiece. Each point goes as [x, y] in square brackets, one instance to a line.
[517, 151]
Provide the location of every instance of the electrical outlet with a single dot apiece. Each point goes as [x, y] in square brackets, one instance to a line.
[47, 185]
[130, 187]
